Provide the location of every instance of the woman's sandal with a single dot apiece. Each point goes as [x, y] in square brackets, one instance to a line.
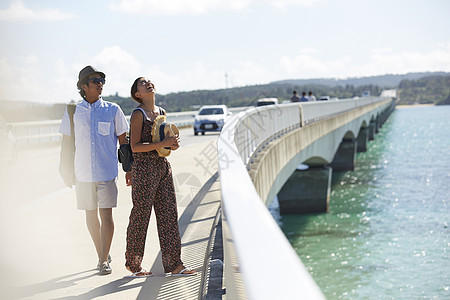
[181, 273]
[143, 273]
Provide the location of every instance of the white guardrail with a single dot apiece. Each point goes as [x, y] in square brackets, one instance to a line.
[43, 132]
[259, 261]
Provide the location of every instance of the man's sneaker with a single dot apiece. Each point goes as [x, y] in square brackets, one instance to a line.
[105, 269]
[99, 265]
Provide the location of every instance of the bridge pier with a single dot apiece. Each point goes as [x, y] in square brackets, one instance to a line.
[345, 157]
[306, 191]
[378, 121]
[384, 116]
[372, 128]
[363, 139]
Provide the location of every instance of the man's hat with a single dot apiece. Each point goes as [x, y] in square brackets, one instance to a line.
[86, 72]
[162, 129]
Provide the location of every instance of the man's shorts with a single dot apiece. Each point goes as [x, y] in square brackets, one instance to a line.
[101, 194]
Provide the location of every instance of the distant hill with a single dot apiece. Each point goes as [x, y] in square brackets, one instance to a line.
[245, 96]
[389, 80]
[445, 101]
[427, 90]
[429, 87]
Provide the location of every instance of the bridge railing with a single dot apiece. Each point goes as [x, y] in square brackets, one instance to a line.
[40, 132]
[44, 132]
[314, 111]
[35, 132]
[257, 127]
[260, 262]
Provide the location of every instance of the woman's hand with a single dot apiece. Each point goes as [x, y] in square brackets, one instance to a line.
[175, 147]
[173, 142]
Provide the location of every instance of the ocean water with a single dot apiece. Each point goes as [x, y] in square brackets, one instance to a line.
[387, 232]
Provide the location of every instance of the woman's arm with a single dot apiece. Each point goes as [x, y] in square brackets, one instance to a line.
[137, 145]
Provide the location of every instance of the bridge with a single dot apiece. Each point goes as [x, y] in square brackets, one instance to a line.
[258, 154]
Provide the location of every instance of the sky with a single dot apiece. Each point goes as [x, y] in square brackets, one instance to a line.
[186, 45]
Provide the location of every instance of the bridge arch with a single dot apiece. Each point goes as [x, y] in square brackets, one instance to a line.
[350, 134]
[315, 161]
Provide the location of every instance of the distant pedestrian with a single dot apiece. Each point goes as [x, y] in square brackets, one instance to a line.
[303, 98]
[97, 125]
[311, 97]
[152, 186]
[294, 97]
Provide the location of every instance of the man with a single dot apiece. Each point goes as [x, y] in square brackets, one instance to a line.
[303, 98]
[311, 97]
[294, 97]
[98, 125]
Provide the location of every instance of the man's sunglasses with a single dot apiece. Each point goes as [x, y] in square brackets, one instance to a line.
[97, 80]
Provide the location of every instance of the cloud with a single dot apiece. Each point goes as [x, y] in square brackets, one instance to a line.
[34, 80]
[196, 7]
[19, 82]
[286, 3]
[196, 78]
[18, 12]
[176, 7]
[121, 68]
[203, 77]
[378, 62]
[382, 62]
[307, 66]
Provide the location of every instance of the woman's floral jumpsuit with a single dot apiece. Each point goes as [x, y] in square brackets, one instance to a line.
[152, 185]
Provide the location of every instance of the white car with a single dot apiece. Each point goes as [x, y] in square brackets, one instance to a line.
[267, 101]
[210, 118]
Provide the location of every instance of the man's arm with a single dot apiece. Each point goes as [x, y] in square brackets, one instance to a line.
[122, 138]
[121, 126]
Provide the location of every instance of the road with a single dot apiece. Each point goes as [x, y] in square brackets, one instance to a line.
[46, 251]
[34, 175]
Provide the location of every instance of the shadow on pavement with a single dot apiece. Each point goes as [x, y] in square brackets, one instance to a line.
[195, 225]
[115, 286]
[49, 285]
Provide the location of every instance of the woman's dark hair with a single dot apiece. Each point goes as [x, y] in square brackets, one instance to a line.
[134, 90]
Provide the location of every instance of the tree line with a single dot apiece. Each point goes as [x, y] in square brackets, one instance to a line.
[432, 89]
[243, 96]
[427, 90]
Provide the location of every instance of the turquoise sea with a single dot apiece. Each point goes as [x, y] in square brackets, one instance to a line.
[387, 232]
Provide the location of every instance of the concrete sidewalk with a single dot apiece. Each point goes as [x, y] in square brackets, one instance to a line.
[47, 252]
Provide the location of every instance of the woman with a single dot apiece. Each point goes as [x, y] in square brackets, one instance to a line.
[152, 185]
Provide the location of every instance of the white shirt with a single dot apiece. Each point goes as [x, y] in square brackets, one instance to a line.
[97, 127]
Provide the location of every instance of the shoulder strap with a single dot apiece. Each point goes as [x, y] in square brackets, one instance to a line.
[144, 115]
[71, 111]
[143, 112]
